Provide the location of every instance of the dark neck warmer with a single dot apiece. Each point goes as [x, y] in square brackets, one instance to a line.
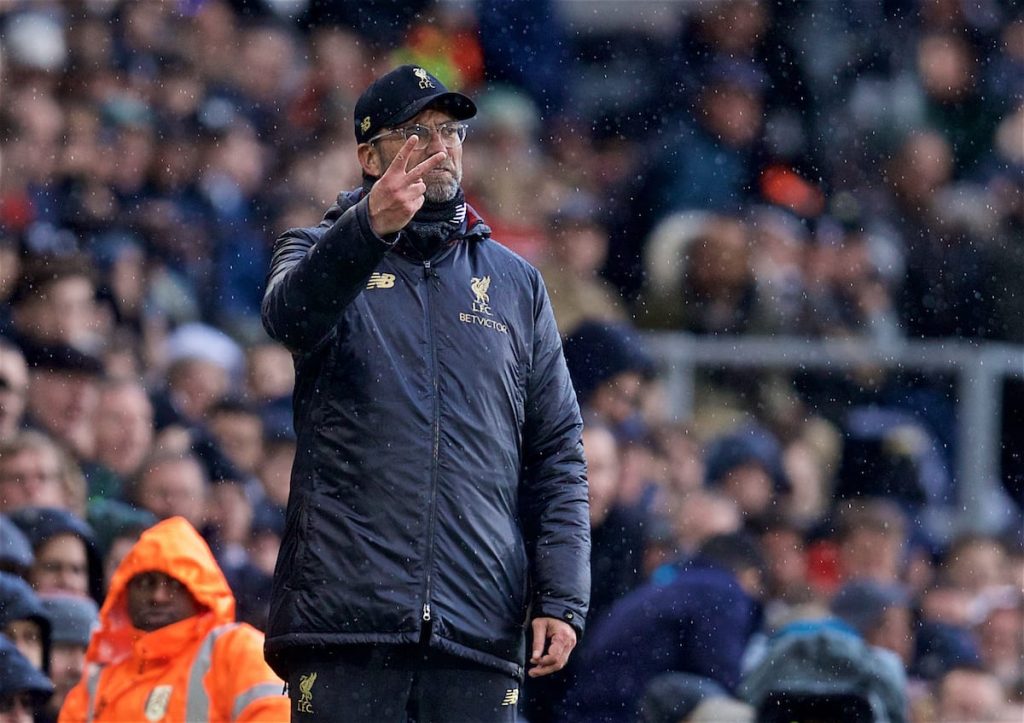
[434, 226]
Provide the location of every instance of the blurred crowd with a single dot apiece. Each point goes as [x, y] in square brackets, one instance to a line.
[800, 168]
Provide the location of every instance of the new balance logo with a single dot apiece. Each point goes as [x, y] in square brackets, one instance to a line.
[380, 281]
[511, 697]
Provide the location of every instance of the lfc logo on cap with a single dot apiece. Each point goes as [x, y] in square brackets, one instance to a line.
[425, 81]
[365, 125]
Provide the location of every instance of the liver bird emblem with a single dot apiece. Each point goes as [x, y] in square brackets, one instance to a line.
[480, 287]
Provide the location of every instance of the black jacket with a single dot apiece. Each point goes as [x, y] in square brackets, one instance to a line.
[439, 481]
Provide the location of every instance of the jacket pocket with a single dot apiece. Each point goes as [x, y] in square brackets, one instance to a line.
[293, 560]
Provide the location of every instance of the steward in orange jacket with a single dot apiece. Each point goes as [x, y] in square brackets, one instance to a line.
[168, 647]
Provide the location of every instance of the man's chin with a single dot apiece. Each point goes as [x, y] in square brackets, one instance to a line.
[441, 192]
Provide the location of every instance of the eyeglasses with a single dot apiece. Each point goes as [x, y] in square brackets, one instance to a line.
[452, 134]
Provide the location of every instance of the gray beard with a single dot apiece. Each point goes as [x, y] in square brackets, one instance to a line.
[441, 191]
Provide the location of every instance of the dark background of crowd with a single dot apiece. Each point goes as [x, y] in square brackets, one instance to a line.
[789, 168]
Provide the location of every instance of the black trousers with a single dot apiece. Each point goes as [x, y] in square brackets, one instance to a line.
[398, 684]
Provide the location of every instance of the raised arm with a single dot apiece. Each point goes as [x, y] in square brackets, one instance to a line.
[315, 273]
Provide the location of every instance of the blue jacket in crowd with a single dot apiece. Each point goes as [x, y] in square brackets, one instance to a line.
[698, 622]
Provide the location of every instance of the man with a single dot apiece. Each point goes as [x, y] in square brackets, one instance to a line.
[62, 395]
[172, 483]
[696, 617]
[168, 647]
[33, 469]
[65, 555]
[970, 694]
[124, 428]
[439, 466]
[24, 621]
[880, 613]
[72, 619]
[23, 688]
[13, 388]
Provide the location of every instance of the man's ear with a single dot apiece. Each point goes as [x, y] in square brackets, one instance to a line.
[369, 159]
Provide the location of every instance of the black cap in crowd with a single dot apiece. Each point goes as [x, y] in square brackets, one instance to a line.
[401, 94]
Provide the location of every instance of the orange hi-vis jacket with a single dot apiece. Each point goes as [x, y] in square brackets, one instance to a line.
[203, 668]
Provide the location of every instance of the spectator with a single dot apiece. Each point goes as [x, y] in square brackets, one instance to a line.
[65, 555]
[269, 373]
[237, 427]
[701, 277]
[73, 620]
[880, 613]
[13, 388]
[170, 616]
[969, 694]
[62, 396]
[869, 543]
[974, 563]
[15, 550]
[55, 303]
[23, 688]
[746, 466]
[204, 364]
[684, 698]
[576, 251]
[25, 622]
[616, 558]
[172, 483]
[35, 472]
[124, 431]
[701, 515]
[671, 627]
[608, 370]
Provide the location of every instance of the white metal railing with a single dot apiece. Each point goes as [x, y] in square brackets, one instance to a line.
[980, 369]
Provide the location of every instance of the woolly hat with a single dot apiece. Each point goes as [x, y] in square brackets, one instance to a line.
[862, 603]
[746, 444]
[598, 351]
[15, 549]
[41, 523]
[72, 618]
[17, 675]
[671, 697]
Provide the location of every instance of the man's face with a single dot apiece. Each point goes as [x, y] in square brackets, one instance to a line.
[31, 477]
[64, 312]
[64, 404]
[175, 487]
[240, 435]
[16, 708]
[156, 600]
[124, 428]
[61, 565]
[67, 661]
[27, 637]
[13, 391]
[442, 182]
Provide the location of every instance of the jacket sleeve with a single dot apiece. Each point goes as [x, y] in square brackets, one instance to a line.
[553, 501]
[315, 273]
[241, 685]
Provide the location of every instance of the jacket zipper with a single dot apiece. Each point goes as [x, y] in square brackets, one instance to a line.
[429, 273]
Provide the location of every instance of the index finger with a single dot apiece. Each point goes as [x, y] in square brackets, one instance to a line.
[428, 165]
[401, 159]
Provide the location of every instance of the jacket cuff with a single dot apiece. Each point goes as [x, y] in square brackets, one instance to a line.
[559, 611]
[363, 219]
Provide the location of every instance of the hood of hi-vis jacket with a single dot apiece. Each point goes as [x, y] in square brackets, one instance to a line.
[174, 548]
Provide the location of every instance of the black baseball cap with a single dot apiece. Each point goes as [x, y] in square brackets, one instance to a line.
[399, 95]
